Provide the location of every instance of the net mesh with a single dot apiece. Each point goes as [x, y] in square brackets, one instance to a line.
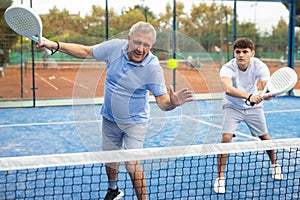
[181, 172]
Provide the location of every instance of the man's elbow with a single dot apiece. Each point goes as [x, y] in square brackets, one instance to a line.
[166, 107]
[163, 107]
[228, 90]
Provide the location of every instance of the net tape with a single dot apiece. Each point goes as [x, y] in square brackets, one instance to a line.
[27, 162]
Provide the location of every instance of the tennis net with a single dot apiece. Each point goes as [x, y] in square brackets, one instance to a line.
[179, 172]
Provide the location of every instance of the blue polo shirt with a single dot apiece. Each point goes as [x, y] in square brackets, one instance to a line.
[127, 84]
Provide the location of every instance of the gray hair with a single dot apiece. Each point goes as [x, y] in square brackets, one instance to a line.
[143, 27]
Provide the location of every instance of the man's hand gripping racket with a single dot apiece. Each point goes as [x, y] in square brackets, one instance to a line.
[281, 81]
[26, 22]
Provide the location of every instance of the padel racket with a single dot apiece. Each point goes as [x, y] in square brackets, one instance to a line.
[281, 81]
[24, 21]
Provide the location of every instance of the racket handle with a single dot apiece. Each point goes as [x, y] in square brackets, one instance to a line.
[264, 96]
[36, 39]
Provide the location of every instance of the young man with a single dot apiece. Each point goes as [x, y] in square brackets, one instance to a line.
[132, 71]
[242, 102]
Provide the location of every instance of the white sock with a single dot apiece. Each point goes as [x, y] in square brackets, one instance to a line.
[113, 184]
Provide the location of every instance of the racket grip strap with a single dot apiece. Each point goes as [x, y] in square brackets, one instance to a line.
[56, 50]
[248, 102]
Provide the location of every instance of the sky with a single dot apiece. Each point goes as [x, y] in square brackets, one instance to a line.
[264, 14]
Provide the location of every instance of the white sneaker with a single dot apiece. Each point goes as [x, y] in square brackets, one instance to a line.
[219, 186]
[276, 172]
[113, 194]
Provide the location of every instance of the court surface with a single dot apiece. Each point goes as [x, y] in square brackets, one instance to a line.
[70, 129]
[77, 129]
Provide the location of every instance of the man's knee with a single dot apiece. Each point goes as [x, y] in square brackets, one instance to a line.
[265, 137]
[227, 137]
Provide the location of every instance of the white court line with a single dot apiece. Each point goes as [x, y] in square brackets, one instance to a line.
[66, 122]
[282, 111]
[49, 123]
[220, 127]
[43, 79]
[185, 116]
[73, 82]
[271, 111]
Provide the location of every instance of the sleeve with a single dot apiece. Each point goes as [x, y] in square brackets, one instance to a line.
[226, 71]
[104, 51]
[101, 51]
[156, 84]
[264, 74]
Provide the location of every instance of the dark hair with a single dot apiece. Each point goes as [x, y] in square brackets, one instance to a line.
[243, 43]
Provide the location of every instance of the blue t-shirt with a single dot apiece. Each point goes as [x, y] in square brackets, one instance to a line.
[127, 84]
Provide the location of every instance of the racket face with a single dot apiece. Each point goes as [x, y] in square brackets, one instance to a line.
[282, 80]
[24, 21]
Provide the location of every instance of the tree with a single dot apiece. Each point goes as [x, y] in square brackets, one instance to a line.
[248, 29]
[207, 22]
[166, 19]
[146, 11]
[129, 18]
[7, 36]
[94, 24]
[210, 24]
[60, 25]
[280, 35]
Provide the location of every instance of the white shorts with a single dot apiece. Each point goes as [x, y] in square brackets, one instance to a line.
[122, 136]
[254, 119]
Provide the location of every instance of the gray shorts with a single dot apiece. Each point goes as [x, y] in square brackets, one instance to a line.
[254, 118]
[122, 136]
